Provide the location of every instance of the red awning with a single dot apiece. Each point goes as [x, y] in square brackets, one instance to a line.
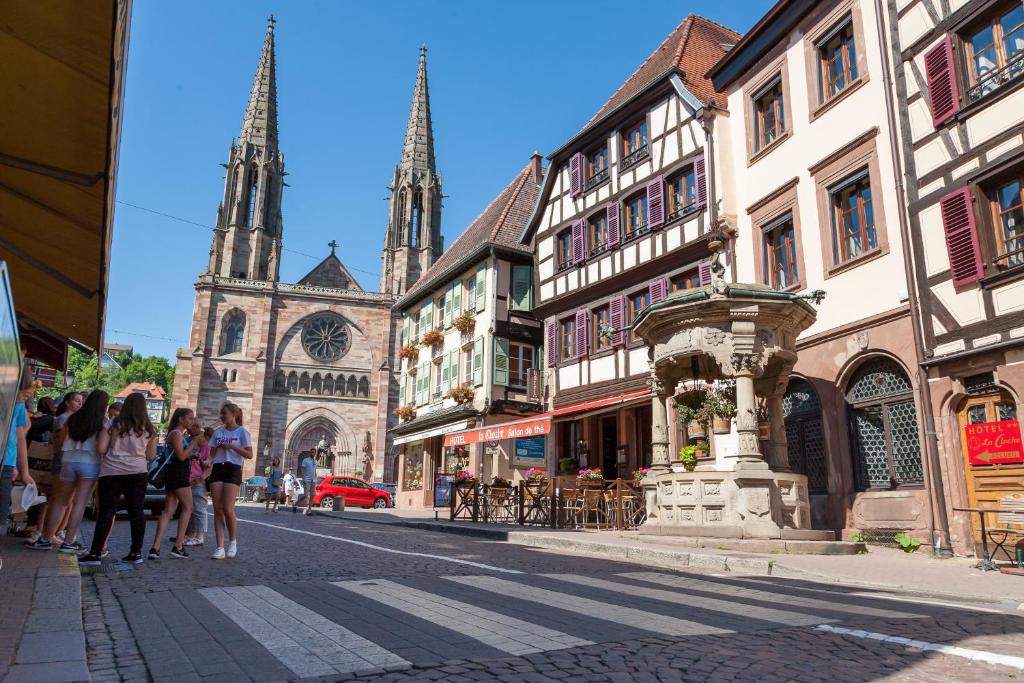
[538, 425]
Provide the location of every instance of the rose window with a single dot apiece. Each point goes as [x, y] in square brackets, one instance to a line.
[325, 337]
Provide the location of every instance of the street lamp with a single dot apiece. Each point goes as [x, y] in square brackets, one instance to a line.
[69, 378]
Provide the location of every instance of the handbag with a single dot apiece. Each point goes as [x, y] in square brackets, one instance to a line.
[158, 466]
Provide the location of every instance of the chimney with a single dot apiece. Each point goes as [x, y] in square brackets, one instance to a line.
[536, 167]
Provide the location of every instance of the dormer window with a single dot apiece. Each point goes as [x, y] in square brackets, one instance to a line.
[597, 165]
[634, 143]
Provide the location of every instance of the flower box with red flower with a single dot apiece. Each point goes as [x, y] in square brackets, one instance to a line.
[463, 479]
[409, 352]
[536, 474]
[434, 337]
[639, 474]
[464, 322]
[462, 393]
[405, 413]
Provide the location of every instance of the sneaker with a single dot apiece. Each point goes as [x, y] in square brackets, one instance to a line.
[39, 544]
[132, 558]
[219, 554]
[232, 548]
[71, 548]
[105, 553]
[179, 552]
[89, 560]
[154, 554]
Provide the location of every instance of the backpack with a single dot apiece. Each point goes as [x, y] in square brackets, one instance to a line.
[158, 466]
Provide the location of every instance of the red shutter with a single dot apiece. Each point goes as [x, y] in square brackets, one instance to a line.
[700, 180]
[656, 202]
[552, 350]
[616, 307]
[581, 333]
[579, 245]
[576, 165]
[961, 237]
[614, 231]
[942, 86]
[704, 269]
[658, 289]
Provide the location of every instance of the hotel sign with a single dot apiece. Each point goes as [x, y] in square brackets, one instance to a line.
[512, 430]
[992, 443]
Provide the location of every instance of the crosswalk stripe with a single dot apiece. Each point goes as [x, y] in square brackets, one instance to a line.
[699, 602]
[301, 639]
[648, 621]
[741, 591]
[500, 631]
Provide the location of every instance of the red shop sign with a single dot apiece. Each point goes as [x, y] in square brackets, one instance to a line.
[989, 443]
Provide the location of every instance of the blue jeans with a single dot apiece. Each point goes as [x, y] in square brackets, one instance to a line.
[73, 471]
[198, 521]
[6, 484]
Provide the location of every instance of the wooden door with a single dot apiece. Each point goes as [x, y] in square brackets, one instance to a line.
[987, 484]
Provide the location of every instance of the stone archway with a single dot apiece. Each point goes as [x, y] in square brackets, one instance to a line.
[308, 432]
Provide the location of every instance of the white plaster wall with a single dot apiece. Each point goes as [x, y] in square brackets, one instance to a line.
[964, 305]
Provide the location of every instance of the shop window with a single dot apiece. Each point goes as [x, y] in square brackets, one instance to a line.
[805, 437]
[853, 218]
[883, 426]
[412, 479]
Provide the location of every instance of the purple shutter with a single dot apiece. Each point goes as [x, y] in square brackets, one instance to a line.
[965, 262]
[576, 165]
[581, 333]
[658, 290]
[704, 269]
[552, 350]
[700, 180]
[656, 203]
[616, 307]
[942, 87]
[579, 249]
[614, 231]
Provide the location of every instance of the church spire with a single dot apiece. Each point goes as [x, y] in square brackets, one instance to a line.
[418, 149]
[260, 124]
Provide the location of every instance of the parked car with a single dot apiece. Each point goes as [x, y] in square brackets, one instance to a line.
[390, 487]
[154, 502]
[255, 489]
[357, 493]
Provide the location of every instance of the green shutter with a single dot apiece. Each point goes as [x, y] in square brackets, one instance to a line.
[481, 288]
[423, 377]
[426, 317]
[522, 291]
[446, 376]
[456, 298]
[478, 361]
[452, 359]
[401, 391]
[501, 361]
[448, 306]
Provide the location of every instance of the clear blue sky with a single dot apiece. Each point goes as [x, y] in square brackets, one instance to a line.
[505, 79]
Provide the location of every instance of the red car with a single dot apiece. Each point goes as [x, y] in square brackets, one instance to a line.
[357, 493]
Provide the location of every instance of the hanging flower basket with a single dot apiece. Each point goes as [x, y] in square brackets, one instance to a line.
[462, 394]
[434, 337]
[464, 322]
[696, 430]
[409, 352]
[405, 413]
[721, 425]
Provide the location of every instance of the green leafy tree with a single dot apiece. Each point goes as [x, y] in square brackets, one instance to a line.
[89, 376]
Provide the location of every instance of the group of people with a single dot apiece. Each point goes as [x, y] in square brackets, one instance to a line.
[291, 487]
[112, 449]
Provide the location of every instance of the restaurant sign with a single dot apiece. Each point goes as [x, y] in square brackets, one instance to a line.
[991, 443]
[512, 430]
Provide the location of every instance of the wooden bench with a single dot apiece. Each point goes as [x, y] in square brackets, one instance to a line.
[1009, 524]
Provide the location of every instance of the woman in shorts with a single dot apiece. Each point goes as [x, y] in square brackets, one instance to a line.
[231, 445]
[176, 475]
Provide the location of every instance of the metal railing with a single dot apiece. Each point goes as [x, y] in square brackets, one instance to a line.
[636, 156]
[993, 80]
[596, 179]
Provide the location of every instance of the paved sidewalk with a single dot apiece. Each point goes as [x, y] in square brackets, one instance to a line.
[41, 634]
[882, 569]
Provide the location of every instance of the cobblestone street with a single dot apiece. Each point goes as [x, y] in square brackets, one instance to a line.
[320, 598]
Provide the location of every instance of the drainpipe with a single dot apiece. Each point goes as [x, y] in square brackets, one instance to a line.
[940, 534]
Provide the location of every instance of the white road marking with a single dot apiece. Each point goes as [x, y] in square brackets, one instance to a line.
[505, 633]
[966, 653]
[301, 639]
[364, 544]
[925, 601]
[689, 600]
[648, 621]
[686, 583]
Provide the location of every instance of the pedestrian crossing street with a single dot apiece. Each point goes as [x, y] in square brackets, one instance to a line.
[326, 628]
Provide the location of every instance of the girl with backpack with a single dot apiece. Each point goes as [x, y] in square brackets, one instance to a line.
[274, 485]
[231, 445]
[82, 441]
[123, 472]
[178, 449]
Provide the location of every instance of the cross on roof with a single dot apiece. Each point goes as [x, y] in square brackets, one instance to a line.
[271, 20]
[333, 244]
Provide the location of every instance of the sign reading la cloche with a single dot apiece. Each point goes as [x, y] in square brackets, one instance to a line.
[991, 443]
[514, 430]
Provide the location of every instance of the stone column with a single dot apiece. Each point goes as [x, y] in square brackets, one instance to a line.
[748, 454]
[659, 426]
[778, 451]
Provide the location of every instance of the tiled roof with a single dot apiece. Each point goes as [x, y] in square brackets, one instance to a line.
[150, 389]
[499, 224]
[693, 47]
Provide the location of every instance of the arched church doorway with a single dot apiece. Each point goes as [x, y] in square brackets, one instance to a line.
[327, 442]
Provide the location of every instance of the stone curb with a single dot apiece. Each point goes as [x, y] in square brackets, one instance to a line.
[52, 647]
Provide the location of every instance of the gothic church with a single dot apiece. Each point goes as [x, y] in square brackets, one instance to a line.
[315, 360]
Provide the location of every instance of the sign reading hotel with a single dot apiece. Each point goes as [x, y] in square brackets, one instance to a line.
[518, 430]
[992, 443]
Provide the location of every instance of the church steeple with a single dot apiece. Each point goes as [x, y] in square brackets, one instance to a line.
[413, 240]
[247, 237]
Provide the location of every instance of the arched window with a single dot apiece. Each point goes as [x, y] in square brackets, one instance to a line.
[883, 426]
[403, 211]
[293, 382]
[417, 211]
[318, 384]
[805, 439]
[364, 387]
[224, 375]
[352, 386]
[234, 333]
[279, 382]
[268, 220]
[329, 385]
[234, 375]
[254, 177]
[304, 383]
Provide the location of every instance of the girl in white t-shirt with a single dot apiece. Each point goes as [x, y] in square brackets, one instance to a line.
[231, 445]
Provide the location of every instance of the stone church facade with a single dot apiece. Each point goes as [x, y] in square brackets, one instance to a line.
[315, 360]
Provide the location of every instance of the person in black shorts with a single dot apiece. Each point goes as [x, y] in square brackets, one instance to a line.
[184, 439]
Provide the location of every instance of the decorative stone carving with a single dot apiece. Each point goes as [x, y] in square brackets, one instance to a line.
[713, 515]
[685, 514]
[714, 336]
[712, 488]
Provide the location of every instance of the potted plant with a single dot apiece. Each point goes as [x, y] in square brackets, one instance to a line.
[702, 449]
[566, 464]
[434, 337]
[720, 407]
[688, 457]
[464, 322]
[463, 478]
[500, 483]
[409, 352]
[764, 424]
[688, 412]
[462, 394]
[535, 474]
[640, 473]
[405, 413]
[590, 478]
